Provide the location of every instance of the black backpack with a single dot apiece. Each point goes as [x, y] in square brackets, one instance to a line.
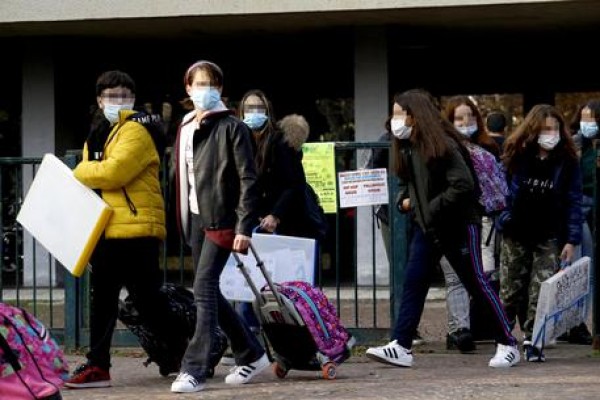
[154, 125]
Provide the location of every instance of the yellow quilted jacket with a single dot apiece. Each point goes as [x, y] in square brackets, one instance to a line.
[130, 162]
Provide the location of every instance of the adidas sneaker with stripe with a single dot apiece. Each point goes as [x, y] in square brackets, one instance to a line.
[391, 353]
[245, 373]
[506, 356]
[186, 383]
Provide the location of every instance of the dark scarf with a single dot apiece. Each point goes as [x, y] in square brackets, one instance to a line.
[99, 130]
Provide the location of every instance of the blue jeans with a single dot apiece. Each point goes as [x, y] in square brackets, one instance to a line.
[462, 248]
[213, 309]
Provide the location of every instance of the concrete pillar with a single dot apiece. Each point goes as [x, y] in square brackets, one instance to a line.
[370, 111]
[37, 138]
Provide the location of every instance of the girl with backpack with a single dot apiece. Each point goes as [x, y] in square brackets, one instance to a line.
[542, 223]
[440, 197]
[467, 119]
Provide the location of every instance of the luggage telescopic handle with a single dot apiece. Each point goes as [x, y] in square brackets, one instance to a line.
[240, 265]
[261, 266]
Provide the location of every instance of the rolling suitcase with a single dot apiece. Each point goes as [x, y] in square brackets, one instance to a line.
[300, 324]
[168, 355]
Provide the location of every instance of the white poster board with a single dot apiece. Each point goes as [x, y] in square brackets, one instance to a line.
[563, 302]
[63, 215]
[286, 258]
[364, 187]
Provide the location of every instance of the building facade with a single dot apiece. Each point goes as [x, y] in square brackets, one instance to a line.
[337, 62]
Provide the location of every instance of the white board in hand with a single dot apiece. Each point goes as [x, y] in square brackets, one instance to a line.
[63, 215]
[286, 258]
[563, 302]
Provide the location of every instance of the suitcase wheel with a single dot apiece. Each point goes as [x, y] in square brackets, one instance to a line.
[279, 370]
[329, 370]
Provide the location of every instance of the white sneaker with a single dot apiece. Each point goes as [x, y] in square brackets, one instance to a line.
[391, 353]
[185, 383]
[245, 373]
[506, 356]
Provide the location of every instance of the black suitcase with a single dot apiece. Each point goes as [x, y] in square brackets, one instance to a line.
[168, 355]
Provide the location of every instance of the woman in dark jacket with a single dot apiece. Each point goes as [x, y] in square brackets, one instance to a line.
[542, 223]
[280, 176]
[216, 199]
[442, 203]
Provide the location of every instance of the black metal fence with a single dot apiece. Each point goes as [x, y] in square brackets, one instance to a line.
[31, 278]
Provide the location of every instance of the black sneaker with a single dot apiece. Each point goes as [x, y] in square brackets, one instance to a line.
[532, 353]
[580, 335]
[461, 340]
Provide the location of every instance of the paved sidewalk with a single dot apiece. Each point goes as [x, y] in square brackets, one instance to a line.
[569, 373]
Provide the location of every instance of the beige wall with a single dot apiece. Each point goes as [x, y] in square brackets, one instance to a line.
[74, 10]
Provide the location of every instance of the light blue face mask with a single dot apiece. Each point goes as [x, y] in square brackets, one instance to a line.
[255, 120]
[111, 111]
[205, 99]
[468, 130]
[588, 129]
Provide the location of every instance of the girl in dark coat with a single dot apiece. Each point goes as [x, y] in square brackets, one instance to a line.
[542, 223]
[442, 202]
[280, 176]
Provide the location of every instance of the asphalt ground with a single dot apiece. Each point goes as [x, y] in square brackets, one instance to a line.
[570, 372]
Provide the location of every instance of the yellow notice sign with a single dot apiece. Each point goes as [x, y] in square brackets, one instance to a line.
[319, 166]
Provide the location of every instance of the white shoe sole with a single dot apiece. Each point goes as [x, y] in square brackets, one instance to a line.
[385, 360]
[197, 388]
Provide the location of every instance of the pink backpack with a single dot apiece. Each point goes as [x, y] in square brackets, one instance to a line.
[320, 317]
[491, 177]
[32, 365]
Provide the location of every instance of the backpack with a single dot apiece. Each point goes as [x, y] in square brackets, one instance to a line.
[154, 125]
[320, 316]
[491, 178]
[168, 355]
[32, 365]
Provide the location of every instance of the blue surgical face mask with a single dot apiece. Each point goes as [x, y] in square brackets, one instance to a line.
[255, 120]
[205, 99]
[468, 130]
[588, 129]
[111, 111]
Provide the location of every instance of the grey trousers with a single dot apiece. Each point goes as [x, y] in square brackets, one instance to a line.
[213, 309]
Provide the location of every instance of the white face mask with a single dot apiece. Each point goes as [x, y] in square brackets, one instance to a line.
[399, 129]
[111, 111]
[468, 130]
[548, 141]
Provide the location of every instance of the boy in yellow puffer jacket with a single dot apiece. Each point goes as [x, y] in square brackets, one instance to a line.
[121, 162]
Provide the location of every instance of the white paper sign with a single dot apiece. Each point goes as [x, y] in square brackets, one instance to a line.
[286, 258]
[563, 302]
[364, 187]
[63, 215]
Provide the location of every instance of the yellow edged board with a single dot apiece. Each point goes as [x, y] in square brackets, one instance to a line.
[63, 215]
